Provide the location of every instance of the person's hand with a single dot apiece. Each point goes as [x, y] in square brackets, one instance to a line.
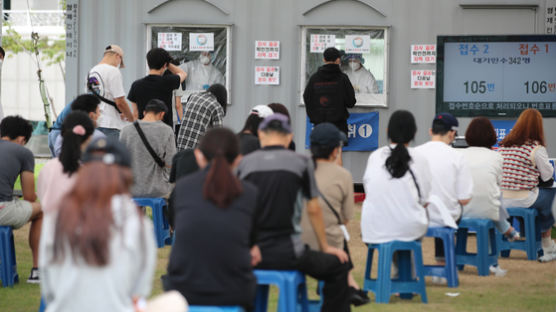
[342, 255]
[139, 304]
[256, 257]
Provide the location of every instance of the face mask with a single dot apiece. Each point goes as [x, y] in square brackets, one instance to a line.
[204, 59]
[354, 66]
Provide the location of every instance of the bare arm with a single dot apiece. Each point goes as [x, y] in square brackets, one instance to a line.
[135, 110]
[177, 71]
[315, 216]
[28, 186]
[464, 202]
[124, 108]
[179, 108]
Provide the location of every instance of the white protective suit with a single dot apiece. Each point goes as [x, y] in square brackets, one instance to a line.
[362, 80]
[200, 75]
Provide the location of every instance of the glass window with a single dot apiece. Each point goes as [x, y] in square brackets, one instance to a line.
[364, 58]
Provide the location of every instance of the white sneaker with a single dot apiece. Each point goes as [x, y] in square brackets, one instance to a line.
[547, 257]
[497, 271]
[550, 249]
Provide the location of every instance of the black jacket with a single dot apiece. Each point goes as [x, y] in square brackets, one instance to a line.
[328, 95]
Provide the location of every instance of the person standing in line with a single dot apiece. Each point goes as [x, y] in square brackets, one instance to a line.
[105, 81]
[150, 175]
[16, 160]
[203, 111]
[329, 93]
[526, 166]
[157, 85]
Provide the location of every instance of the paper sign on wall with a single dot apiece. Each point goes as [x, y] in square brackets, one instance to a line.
[319, 43]
[169, 41]
[550, 18]
[267, 50]
[358, 44]
[267, 75]
[423, 79]
[423, 53]
[201, 42]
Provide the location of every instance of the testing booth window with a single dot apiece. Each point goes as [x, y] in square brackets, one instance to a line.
[364, 58]
[203, 52]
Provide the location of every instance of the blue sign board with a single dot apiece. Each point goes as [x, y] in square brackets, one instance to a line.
[362, 132]
[502, 128]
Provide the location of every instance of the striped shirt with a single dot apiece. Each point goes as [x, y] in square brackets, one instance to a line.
[202, 111]
[519, 172]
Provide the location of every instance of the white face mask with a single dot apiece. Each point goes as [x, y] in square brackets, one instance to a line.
[354, 66]
[204, 59]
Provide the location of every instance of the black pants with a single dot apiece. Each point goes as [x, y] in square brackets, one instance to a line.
[327, 268]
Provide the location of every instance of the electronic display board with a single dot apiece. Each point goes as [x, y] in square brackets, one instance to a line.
[496, 76]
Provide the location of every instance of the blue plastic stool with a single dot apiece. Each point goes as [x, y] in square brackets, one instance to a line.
[449, 269]
[293, 290]
[161, 227]
[8, 265]
[215, 309]
[383, 286]
[486, 235]
[530, 231]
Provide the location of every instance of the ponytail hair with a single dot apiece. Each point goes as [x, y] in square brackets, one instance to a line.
[220, 146]
[76, 129]
[401, 130]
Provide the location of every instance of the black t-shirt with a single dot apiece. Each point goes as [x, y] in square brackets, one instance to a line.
[210, 263]
[154, 87]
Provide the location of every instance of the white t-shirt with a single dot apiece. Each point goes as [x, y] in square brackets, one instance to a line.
[451, 179]
[110, 86]
[392, 209]
[486, 170]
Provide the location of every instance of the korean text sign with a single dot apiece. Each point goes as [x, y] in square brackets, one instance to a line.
[267, 50]
[267, 75]
[502, 128]
[362, 132]
[423, 79]
[423, 53]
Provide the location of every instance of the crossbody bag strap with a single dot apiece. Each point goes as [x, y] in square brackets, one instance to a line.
[332, 208]
[100, 97]
[157, 159]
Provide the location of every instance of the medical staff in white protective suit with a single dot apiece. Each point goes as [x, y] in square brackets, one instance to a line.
[201, 74]
[361, 79]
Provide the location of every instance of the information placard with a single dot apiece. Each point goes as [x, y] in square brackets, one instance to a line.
[169, 41]
[201, 42]
[320, 42]
[267, 50]
[267, 75]
[358, 44]
[423, 79]
[496, 75]
[423, 53]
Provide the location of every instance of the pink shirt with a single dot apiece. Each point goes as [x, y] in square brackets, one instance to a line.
[53, 184]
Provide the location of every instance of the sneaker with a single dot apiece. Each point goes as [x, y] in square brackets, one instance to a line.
[34, 276]
[437, 280]
[547, 257]
[551, 249]
[497, 271]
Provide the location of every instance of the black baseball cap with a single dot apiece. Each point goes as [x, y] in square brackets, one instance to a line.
[327, 134]
[449, 121]
[108, 151]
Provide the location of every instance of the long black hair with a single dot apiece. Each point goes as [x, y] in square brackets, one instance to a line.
[401, 130]
[76, 129]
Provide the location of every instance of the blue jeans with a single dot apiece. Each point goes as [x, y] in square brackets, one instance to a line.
[543, 204]
[52, 135]
[110, 133]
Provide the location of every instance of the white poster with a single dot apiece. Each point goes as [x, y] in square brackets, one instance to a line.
[169, 41]
[201, 42]
[423, 79]
[550, 18]
[359, 44]
[319, 43]
[267, 50]
[423, 53]
[267, 75]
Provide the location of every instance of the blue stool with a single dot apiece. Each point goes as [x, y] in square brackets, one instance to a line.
[42, 307]
[215, 309]
[293, 290]
[383, 286]
[530, 230]
[486, 235]
[449, 269]
[161, 227]
[8, 265]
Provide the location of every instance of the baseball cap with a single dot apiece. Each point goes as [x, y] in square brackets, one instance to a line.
[277, 122]
[448, 120]
[108, 151]
[116, 49]
[327, 134]
[262, 111]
